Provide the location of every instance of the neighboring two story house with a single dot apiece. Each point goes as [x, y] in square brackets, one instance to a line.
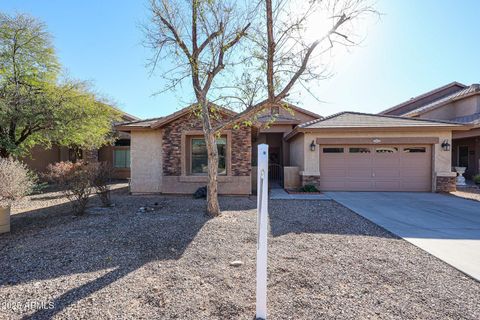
[454, 102]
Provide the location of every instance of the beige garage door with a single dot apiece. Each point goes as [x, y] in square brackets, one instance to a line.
[376, 168]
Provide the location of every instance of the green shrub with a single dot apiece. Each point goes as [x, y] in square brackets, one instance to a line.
[476, 179]
[309, 188]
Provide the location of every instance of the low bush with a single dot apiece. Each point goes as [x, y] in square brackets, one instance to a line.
[75, 179]
[16, 180]
[309, 188]
[102, 176]
[476, 179]
[201, 193]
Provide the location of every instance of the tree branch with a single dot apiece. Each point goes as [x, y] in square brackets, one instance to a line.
[306, 58]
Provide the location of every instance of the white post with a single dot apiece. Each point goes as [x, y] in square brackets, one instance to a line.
[262, 226]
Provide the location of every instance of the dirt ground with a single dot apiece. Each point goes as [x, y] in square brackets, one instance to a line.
[173, 262]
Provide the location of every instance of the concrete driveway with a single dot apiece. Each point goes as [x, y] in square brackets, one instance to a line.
[445, 226]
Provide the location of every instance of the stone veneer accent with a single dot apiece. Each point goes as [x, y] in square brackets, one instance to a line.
[446, 184]
[313, 180]
[172, 140]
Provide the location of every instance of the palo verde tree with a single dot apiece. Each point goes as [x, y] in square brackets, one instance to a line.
[198, 37]
[36, 107]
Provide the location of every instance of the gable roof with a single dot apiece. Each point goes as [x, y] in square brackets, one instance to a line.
[127, 116]
[139, 124]
[156, 123]
[427, 97]
[468, 91]
[301, 110]
[287, 118]
[174, 116]
[357, 120]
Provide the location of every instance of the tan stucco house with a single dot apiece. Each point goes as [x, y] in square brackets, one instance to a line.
[347, 151]
[453, 102]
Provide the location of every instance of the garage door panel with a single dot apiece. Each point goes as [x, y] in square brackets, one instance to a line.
[413, 162]
[335, 172]
[360, 161]
[415, 172]
[359, 185]
[384, 168]
[332, 184]
[387, 185]
[387, 172]
[355, 173]
[386, 162]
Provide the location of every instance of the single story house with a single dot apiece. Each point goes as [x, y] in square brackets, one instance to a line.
[454, 102]
[117, 155]
[346, 151]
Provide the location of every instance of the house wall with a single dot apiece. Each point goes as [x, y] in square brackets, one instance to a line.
[459, 108]
[310, 171]
[176, 178]
[146, 161]
[40, 158]
[438, 94]
[297, 151]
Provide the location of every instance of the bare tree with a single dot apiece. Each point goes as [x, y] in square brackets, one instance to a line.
[287, 50]
[199, 35]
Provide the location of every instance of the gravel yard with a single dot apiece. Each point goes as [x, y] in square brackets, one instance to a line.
[174, 263]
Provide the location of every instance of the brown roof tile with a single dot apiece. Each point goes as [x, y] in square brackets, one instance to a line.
[349, 119]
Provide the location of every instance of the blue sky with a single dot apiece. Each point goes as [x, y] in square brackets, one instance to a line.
[415, 47]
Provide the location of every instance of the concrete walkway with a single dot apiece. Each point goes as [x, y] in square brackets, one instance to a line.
[281, 194]
[445, 226]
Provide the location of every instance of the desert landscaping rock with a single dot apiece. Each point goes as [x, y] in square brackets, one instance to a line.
[325, 262]
[236, 263]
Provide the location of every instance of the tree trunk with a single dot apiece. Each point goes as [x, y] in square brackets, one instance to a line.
[213, 207]
[4, 153]
[270, 52]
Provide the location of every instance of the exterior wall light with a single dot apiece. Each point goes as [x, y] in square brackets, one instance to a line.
[445, 145]
[312, 145]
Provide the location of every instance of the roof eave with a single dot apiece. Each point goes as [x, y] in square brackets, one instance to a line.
[386, 128]
[129, 128]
